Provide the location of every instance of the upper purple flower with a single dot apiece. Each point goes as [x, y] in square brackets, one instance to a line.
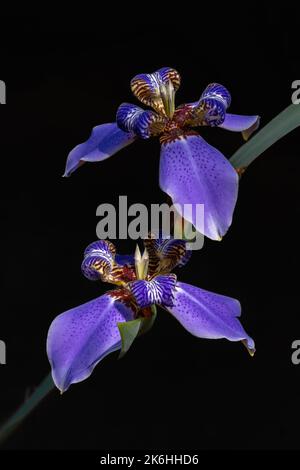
[81, 337]
[191, 170]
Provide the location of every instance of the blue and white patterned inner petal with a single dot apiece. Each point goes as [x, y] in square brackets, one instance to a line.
[159, 291]
[98, 259]
[214, 101]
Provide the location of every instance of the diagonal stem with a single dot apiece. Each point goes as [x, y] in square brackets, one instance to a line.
[282, 124]
[45, 387]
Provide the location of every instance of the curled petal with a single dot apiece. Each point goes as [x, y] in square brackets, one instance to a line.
[149, 124]
[98, 260]
[104, 141]
[210, 110]
[102, 262]
[209, 315]
[81, 337]
[158, 291]
[193, 172]
[213, 104]
[165, 254]
[102, 247]
[168, 74]
[144, 124]
[127, 115]
[150, 88]
[215, 91]
[237, 123]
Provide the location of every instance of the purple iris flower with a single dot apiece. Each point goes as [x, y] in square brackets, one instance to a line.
[191, 170]
[81, 337]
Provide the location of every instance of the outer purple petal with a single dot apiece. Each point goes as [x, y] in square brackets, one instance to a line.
[209, 315]
[104, 141]
[237, 123]
[194, 172]
[81, 337]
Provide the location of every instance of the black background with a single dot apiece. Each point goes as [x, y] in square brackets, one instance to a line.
[172, 390]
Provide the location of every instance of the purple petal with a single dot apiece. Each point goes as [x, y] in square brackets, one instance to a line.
[209, 315]
[193, 172]
[237, 123]
[159, 291]
[81, 337]
[125, 260]
[104, 141]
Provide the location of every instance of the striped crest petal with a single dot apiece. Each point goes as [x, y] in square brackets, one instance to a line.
[149, 88]
[166, 254]
[213, 102]
[159, 291]
[210, 110]
[132, 118]
[98, 260]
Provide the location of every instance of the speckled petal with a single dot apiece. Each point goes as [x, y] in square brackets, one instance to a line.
[81, 337]
[237, 123]
[104, 141]
[209, 315]
[193, 172]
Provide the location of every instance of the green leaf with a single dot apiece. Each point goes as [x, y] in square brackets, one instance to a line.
[26, 408]
[282, 124]
[131, 329]
[128, 331]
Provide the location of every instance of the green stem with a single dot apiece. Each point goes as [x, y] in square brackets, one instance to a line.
[25, 409]
[282, 124]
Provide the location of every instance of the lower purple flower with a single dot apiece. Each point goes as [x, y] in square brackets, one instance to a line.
[81, 337]
[209, 315]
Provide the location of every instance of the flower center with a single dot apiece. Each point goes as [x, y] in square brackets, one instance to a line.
[141, 263]
[167, 94]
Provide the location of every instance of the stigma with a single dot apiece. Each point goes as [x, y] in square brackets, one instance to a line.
[141, 263]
